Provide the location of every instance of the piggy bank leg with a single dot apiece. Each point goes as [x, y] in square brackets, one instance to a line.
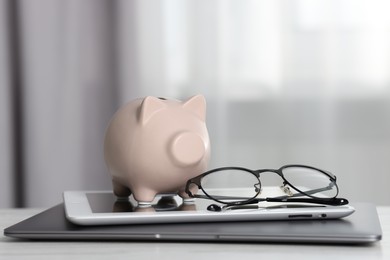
[144, 196]
[120, 190]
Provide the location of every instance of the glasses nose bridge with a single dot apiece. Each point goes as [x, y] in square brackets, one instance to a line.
[260, 171]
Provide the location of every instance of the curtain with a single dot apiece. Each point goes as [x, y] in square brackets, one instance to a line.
[285, 81]
[6, 154]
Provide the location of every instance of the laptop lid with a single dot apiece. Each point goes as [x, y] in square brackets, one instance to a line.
[361, 227]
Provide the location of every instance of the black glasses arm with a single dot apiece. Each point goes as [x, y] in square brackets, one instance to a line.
[333, 201]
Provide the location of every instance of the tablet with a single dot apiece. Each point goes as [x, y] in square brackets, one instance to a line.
[104, 208]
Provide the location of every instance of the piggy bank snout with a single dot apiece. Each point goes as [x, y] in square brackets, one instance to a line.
[187, 149]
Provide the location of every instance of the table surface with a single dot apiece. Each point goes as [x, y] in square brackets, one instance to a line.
[11, 248]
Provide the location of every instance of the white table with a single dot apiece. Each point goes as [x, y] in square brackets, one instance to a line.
[11, 248]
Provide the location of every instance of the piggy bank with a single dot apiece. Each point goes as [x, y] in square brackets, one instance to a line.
[153, 145]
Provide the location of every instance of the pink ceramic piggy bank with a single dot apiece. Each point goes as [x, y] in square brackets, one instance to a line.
[154, 145]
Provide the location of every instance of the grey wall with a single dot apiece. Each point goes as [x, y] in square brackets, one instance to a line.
[285, 82]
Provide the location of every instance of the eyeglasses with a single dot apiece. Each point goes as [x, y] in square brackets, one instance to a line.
[300, 183]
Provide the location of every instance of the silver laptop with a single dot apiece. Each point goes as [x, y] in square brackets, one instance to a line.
[361, 227]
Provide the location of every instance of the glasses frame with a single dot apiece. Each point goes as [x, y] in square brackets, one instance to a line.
[334, 201]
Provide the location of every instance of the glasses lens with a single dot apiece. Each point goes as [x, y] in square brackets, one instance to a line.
[310, 181]
[231, 185]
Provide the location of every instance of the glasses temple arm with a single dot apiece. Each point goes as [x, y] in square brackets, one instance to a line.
[333, 201]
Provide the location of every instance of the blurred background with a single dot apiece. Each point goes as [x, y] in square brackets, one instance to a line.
[285, 82]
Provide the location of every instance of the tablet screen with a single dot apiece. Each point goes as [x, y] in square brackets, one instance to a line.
[109, 203]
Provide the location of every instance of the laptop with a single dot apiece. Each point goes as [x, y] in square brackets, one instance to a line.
[361, 227]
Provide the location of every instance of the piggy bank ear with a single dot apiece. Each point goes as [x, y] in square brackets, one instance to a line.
[149, 106]
[196, 105]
